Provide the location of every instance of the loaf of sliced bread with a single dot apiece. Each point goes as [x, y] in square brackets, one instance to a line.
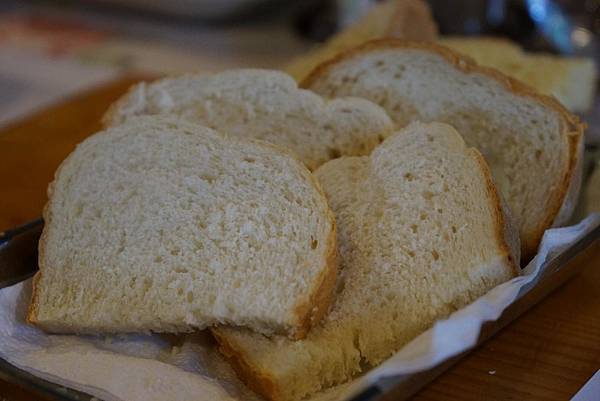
[162, 225]
[421, 233]
[264, 105]
[530, 141]
[572, 80]
[407, 19]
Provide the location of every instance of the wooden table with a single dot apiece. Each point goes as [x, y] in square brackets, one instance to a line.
[547, 354]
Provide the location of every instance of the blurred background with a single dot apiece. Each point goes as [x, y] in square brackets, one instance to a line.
[52, 49]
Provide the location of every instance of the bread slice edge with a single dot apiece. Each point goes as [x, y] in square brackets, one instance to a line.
[259, 381]
[507, 233]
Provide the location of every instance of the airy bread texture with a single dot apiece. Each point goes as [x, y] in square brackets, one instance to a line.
[571, 80]
[407, 19]
[264, 105]
[530, 141]
[163, 225]
[421, 233]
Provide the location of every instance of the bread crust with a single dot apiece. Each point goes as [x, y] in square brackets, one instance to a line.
[33, 304]
[33, 310]
[507, 234]
[258, 381]
[311, 312]
[572, 195]
[32, 314]
[571, 127]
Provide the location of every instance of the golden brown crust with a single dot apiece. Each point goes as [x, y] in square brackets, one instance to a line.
[33, 305]
[573, 134]
[257, 380]
[571, 127]
[507, 234]
[311, 312]
[573, 192]
[33, 310]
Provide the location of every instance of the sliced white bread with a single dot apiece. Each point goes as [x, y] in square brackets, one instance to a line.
[421, 233]
[532, 144]
[407, 19]
[572, 80]
[167, 226]
[264, 105]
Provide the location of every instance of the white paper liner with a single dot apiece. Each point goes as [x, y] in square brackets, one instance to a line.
[153, 367]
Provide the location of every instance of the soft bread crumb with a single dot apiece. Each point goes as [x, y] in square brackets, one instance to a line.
[265, 105]
[421, 233]
[163, 225]
[530, 141]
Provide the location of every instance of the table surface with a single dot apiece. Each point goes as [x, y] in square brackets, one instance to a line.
[546, 354]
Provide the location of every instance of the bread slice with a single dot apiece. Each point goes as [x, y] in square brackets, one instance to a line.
[167, 226]
[571, 80]
[265, 105]
[530, 141]
[421, 233]
[407, 19]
